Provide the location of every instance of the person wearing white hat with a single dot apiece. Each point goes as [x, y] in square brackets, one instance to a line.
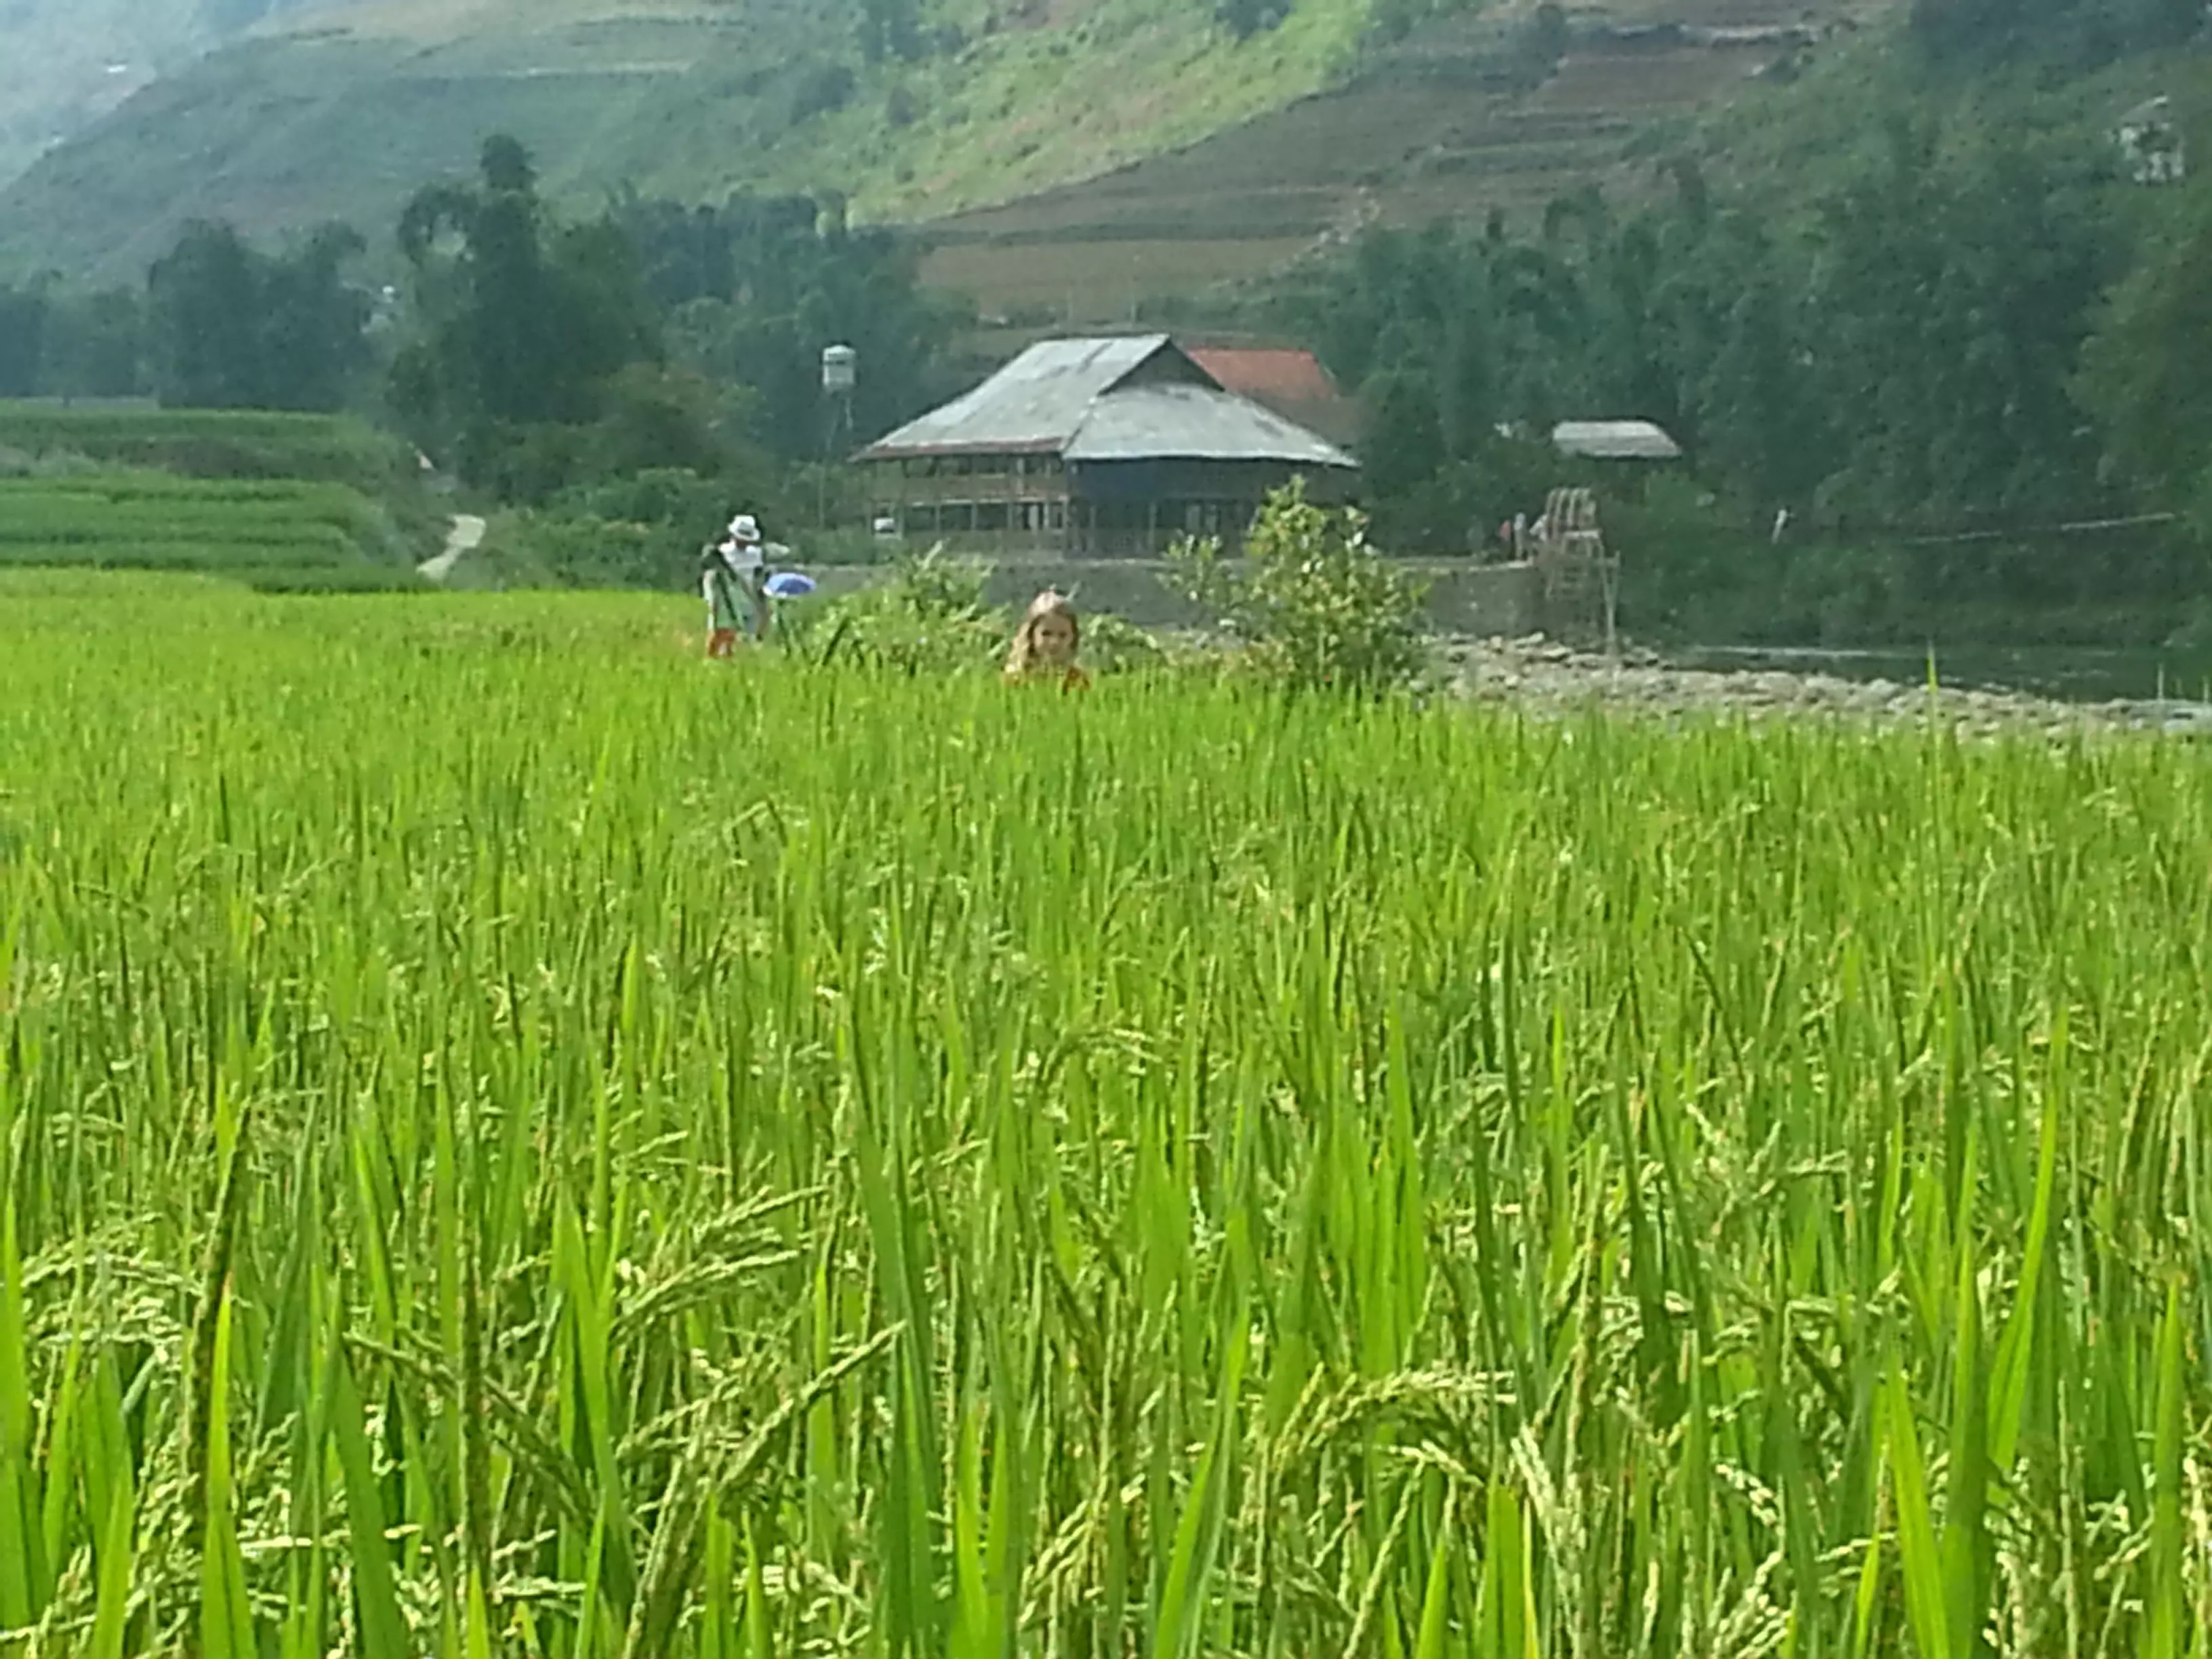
[732, 578]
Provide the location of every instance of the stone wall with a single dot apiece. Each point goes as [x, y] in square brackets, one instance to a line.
[1490, 600]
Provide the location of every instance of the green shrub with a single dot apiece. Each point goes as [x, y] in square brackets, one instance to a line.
[1115, 645]
[931, 616]
[680, 497]
[644, 529]
[528, 548]
[1314, 604]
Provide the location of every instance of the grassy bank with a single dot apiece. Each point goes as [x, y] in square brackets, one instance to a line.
[206, 443]
[523, 1141]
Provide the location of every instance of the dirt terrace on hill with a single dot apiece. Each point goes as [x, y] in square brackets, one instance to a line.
[1436, 129]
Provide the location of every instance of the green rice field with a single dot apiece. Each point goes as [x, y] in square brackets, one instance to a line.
[520, 1141]
[209, 443]
[283, 536]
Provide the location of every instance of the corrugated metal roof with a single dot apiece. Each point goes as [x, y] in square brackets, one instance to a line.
[1036, 402]
[1195, 423]
[1614, 440]
[1073, 397]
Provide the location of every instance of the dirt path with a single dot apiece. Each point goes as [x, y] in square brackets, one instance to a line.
[464, 539]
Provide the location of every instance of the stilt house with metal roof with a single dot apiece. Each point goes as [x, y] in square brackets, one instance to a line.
[1098, 447]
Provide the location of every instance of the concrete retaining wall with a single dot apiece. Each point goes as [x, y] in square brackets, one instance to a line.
[1485, 599]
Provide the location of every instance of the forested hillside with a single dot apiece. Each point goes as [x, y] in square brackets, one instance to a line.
[1927, 303]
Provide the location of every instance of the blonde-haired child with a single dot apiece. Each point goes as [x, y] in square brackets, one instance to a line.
[1044, 652]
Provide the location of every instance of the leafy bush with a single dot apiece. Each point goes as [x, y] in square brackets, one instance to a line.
[931, 616]
[640, 529]
[529, 548]
[676, 496]
[1698, 570]
[1316, 605]
[673, 510]
[1115, 645]
[822, 90]
[1454, 506]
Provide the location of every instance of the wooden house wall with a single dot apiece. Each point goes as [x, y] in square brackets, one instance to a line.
[1124, 509]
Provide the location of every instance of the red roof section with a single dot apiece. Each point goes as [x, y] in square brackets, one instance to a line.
[1290, 381]
[1268, 375]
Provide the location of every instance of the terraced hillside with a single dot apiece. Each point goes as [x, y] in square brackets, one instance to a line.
[1075, 162]
[344, 120]
[343, 112]
[284, 537]
[280, 503]
[1456, 123]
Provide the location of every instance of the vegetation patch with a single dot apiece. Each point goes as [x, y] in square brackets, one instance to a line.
[214, 444]
[523, 1140]
[278, 537]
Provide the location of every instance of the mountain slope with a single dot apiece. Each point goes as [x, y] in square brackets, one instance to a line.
[65, 64]
[344, 111]
[1468, 116]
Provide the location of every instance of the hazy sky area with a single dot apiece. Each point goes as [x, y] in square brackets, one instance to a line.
[65, 63]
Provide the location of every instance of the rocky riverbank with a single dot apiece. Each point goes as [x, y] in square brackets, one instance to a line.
[1545, 675]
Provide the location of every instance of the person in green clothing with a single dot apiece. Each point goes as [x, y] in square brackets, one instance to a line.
[732, 580]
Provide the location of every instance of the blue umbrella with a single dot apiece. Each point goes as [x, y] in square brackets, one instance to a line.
[790, 585]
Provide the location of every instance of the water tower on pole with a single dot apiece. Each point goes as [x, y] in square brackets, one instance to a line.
[841, 373]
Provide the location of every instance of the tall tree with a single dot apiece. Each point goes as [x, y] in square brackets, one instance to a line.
[204, 310]
[523, 320]
[23, 319]
[234, 328]
[2143, 371]
[96, 344]
[1903, 350]
[758, 287]
[1956, 284]
[314, 324]
[1759, 422]
[2078, 34]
